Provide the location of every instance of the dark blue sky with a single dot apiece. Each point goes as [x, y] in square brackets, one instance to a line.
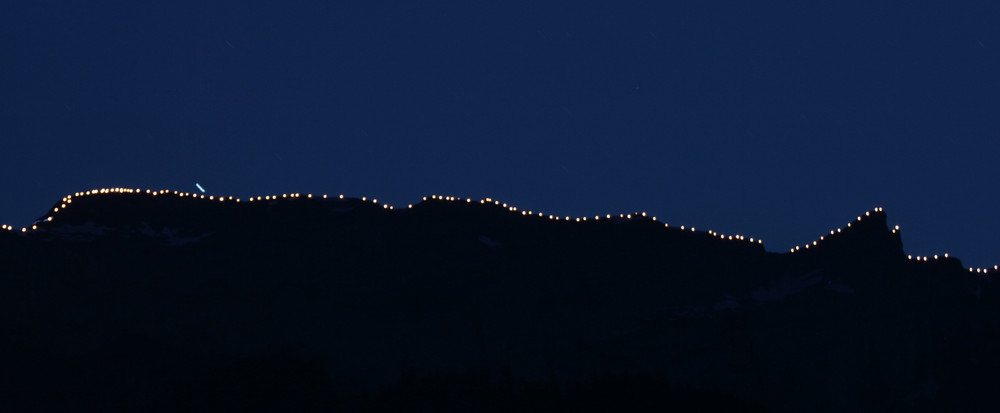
[779, 122]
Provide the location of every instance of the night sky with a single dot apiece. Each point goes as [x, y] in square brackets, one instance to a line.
[780, 122]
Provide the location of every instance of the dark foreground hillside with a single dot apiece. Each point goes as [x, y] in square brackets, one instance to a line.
[138, 302]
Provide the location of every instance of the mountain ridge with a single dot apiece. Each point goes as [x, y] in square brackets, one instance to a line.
[271, 200]
[368, 293]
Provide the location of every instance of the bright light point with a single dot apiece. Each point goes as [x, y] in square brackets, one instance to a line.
[935, 256]
[682, 227]
[342, 196]
[867, 214]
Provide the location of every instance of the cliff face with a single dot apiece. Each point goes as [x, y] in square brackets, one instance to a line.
[367, 295]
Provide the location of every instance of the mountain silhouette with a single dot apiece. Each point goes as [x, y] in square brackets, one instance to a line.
[126, 300]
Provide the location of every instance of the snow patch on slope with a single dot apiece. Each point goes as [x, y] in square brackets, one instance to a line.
[487, 241]
[88, 231]
[169, 236]
[783, 287]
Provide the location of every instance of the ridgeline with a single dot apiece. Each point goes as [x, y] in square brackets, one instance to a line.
[129, 300]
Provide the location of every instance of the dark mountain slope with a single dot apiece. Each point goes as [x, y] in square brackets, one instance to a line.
[168, 298]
